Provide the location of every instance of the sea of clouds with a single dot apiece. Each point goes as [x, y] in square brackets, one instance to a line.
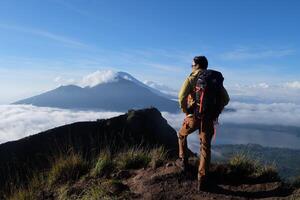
[17, 121]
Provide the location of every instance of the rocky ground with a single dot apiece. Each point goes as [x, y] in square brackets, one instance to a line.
[168, 182]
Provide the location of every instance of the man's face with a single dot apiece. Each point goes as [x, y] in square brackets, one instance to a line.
[194, 66]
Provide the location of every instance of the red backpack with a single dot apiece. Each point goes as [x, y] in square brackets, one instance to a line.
[207, 95]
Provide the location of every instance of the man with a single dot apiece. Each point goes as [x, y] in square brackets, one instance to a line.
[191, 122]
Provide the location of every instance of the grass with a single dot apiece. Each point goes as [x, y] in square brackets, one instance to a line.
[133, 158]
[296, 182]
[158, 157]
[104, 164]
[30, 191]
[70, 167]
[106, 189]
[244, 166]
[268, 172]
[66, 168]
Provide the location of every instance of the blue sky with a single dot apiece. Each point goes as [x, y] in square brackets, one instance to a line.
[251, 42]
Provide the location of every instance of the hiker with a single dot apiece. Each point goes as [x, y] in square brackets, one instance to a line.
[202, 98]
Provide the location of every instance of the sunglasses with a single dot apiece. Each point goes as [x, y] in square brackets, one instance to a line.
[193, 66]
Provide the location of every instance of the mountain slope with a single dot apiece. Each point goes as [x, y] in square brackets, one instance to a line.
[122, 93]
[136, 128]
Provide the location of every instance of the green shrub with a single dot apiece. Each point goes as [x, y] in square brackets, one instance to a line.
[67, 168]
[158, 156]
[104, 165]
[133, 158]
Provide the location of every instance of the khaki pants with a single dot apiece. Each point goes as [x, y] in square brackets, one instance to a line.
[206, 131]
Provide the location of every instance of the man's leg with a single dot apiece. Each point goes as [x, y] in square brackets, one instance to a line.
[189, 125]
[206, 133]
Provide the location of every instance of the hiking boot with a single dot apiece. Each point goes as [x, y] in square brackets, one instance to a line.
[182, 164]
[202, 184]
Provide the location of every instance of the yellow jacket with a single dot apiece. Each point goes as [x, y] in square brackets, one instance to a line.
[185, 100]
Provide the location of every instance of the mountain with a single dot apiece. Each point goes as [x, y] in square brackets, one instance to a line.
[143, 128]
[121, 93]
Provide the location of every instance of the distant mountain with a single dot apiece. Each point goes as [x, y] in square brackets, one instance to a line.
[122, 93]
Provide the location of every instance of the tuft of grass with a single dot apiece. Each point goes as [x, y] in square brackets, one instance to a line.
[107, 189]
[133, 158]
[66, 168]
[158, 157]
[296, 182]
[23, 194]
[30, 191]
[104, 165]
[267, 172]
[243, 165]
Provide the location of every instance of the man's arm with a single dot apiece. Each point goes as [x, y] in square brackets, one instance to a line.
[183, 94]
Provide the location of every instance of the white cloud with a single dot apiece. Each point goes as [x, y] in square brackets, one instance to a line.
[162, 88]
[17, 121]
[271, 114]
[293, 84]
[286, 92]
[62, 81]
[100, 76]
[286, 114]
[260, 85]
[246, 53]
[45, 34]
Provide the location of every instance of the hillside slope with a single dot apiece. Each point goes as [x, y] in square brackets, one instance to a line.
[142, 127]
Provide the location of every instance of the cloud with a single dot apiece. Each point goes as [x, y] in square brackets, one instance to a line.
[17, 121]
[293, 84]
[162, 88]
[246, 54]
[45, 34]
[164, 67]
[287, 114]
[286, 92]
[62, 81]
[100, 76]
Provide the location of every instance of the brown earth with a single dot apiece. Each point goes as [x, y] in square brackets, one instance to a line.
[168, 182]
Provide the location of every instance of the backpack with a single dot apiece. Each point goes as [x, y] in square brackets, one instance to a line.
[207, 95]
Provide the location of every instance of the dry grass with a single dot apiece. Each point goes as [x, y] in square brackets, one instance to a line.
[104, 164]
[242, 164]
[133, 158]
[30, 191]
[158, 157]
[67, 168]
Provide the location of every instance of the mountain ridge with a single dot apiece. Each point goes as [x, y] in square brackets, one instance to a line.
[120, 93]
